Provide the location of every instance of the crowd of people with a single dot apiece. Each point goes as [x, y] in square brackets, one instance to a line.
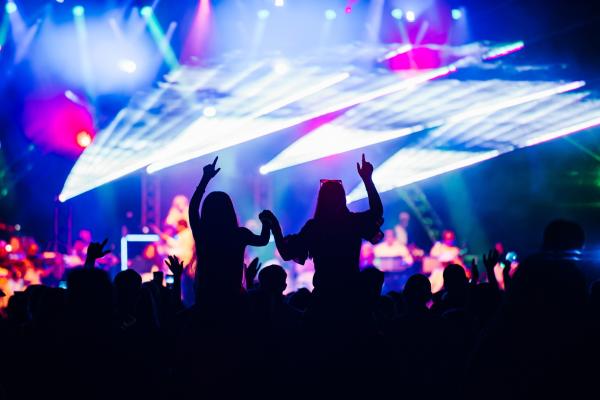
[496, 330]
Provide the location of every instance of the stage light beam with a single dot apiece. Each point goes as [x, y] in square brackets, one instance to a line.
[82, 41]
[159, 38]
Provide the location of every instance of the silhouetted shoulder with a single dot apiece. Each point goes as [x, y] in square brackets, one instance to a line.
[368, 225]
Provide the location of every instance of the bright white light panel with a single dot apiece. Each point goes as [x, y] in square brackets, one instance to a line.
[461, 144]
[249, 99]
[432, 105]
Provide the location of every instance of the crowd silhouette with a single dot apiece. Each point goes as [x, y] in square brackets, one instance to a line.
[534, 337]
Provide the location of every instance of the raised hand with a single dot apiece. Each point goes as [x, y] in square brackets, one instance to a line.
[94, 252]
[506, 273]
[210, 170]
[267, 217]
[251, 271]
[175, 265]
[365, 170]
[474, 272]
[490, 262]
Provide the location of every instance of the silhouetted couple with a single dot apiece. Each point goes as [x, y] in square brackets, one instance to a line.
[332, 238]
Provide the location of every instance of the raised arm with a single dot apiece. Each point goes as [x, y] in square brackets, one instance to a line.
[176, 267]
[270, 220]
[366, 173]
[95, 251]
[258, 240]
[209, 172]
[489, 261]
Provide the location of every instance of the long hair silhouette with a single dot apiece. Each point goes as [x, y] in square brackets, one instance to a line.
[218, 216]
[331, 202]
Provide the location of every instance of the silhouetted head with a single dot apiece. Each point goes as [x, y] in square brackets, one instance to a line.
[454, 278]
[417, 291]
[89, 295]
[272, 279]
[300, 299]
[563, 235]
[551, 285]
[331, 203]
[128, 284]
[218, 214]
[371, 283]
[17, 308]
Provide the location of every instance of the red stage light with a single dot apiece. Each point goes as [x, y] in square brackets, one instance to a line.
[84, 139]
[348, 9]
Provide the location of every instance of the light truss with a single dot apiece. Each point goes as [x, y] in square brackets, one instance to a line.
[171, 123]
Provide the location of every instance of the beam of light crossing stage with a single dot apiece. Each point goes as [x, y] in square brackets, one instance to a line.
[236, 133]
[198, 34]
[215, 141]
[590, 123]
[156, 121]
[159, 38]
[414, 165]
[339, 137]
[504, 50]
[84, 56]
[404, 167]
[24, 42]
[4, 27]
[106, 164]
[229, 88]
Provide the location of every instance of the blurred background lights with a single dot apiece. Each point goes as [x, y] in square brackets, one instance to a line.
[330, 14]
[84, 139]
[279, 3]
[209, 111]
[146, 11]
[456, 13]
[127, 65]
[263, 14]
[281, 67]
[397, 13]
[78, 11]
[10, 7]
[410, 16]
